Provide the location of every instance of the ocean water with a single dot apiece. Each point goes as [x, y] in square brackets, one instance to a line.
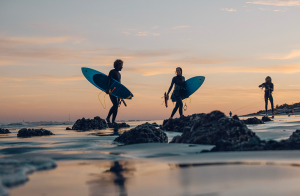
[92, 151]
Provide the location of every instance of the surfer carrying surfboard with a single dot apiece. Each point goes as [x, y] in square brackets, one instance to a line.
[115, 74]
[269, 88]
[179, 90]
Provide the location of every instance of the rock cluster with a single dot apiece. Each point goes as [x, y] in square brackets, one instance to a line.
[179, 124]
[96, 123]
[209, 129]
[292, 143]
[144, 133]
[33, 132]
[117, 125]
[251, 121]
[90, 124]
[4, 131]
[266, 119]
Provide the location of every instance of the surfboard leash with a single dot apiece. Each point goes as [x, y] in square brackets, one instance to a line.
[110, 91]
[104, 106]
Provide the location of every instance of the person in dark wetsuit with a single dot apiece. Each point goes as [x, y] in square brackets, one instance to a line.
[115, 74]
[179, 89]
[269, 88]
[230, 113]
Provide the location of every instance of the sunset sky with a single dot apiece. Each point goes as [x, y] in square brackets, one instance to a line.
[235, 44]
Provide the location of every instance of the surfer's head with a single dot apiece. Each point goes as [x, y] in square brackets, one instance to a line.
[268, 79]
[118, 64]
[179, 71]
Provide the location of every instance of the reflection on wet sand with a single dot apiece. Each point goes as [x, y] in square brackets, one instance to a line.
[110, 132]
[112, 180]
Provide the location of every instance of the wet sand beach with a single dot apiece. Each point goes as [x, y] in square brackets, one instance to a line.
[88, 163]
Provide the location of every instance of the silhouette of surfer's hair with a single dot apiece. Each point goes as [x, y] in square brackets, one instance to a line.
[267, 78]
[117, 63]
[180, 69]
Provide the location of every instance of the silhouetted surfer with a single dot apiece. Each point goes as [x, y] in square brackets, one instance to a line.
[230, 113]
[269, 88]
[115, 74]
[179, 89]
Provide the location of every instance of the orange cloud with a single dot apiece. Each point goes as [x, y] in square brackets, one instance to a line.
[292, 55]
[13, 41]
[288, 69]
[277, 2]
[43, 78]
[180, 27]
[208, 69]
[229, 10]
[23, 51]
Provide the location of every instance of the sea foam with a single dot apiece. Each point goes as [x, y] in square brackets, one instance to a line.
[14, 172]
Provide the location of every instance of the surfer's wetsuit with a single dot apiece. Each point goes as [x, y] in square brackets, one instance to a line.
[269, 88]
[115, 74]
[179, 82]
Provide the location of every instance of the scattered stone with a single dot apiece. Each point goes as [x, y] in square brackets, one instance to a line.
[4, 131]
[33, 132]
[253, 121]
[210, 128]
[144, 133]
[68, 128]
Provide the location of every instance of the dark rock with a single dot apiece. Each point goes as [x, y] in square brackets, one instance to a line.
[265, 119]
[155, 124]
[117, 125]
[178, 124]
[209, 129]
[176, 139]
[4, 131]
[254, 144]
[144, 133]
[33, 132]
[68, 128]
[235, 117]
[90, 124]
[253, 121]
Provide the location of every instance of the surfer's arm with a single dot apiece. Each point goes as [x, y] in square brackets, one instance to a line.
[262, 85]
[272, 87]
[171, 86]
[108, 82]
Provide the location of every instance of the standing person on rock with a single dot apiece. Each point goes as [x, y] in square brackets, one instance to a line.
[269, 88]
[115, 74]
[179, 90]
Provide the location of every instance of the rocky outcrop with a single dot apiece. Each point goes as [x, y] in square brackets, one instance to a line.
[253, 121]
[4, 131]
[33, 132]
[209, 129]
[68, 128]
[95, 124]
[90, 124]
[266, 119]
[117, 125]
[254, 144]
[144, 133]
[179, 124]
